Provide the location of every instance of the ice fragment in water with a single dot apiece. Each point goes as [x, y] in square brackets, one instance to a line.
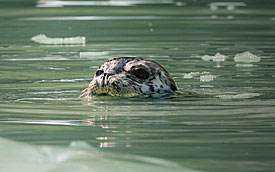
[229, 5]
[43, 39]
[217, 58]
[179, 4]
[245, 65]
[194, 74]
[207, 78]
[190, 75]
[246, 57]
[93, 54]
[239, 96]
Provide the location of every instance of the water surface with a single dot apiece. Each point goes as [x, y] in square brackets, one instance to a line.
[230, 128]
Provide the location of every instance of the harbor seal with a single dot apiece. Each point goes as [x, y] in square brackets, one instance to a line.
[130, 77]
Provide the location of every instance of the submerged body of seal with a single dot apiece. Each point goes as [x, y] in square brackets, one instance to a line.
[129, 77]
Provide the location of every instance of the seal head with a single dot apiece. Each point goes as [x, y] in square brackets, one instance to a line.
[129, 77]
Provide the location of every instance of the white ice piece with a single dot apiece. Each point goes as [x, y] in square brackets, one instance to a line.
[207, 58]
[247, 57]
[239, 96]
[190, 75]
[245, 65]
[93, 54]
[207, 78]
[218, 57]
[229, 5]
[194, 74]
[43, 39]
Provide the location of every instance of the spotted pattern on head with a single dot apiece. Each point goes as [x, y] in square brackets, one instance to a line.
[129, 77]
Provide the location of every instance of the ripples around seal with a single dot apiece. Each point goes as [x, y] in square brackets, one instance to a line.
[223, 51]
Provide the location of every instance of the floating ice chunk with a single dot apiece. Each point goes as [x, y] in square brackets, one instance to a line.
[213, 7]
[55, 68]
[246, 57]
[229, 5]
[187, 76]
[93, 54]
[190, 75]
[245, 65]
[207, 78]
[239, 96]
[214, 17]
[206, 86]
[57, 58]
[179, 4]
[193, 74]
[207, 57]
[217, 58]
[230, 17]
[43, 39]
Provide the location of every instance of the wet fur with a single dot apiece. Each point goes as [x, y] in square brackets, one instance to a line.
[129, 77]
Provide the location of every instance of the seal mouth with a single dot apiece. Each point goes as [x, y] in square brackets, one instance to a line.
[103, 94]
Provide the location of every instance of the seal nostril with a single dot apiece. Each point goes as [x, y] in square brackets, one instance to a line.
[99, 72]
[107, 75]
[105, 79]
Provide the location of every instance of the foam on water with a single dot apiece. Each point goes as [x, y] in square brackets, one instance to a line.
[43, 39]
[78, 156]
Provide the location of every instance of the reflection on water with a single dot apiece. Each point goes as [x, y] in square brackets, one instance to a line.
[221, 55]
[78, 156]
[68, 18]
[57, 3]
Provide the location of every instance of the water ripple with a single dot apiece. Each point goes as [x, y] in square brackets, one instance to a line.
[59, 3]
[83, 18]
[45, 122]
[64, 80]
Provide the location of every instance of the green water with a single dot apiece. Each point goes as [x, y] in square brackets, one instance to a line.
[230, 129]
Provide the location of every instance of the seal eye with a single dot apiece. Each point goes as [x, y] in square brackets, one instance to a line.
[141, 73]
[99, 72]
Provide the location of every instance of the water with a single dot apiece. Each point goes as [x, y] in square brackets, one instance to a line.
[224, 52]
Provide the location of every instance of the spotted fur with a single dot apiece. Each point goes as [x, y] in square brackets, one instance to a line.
[129, 77]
